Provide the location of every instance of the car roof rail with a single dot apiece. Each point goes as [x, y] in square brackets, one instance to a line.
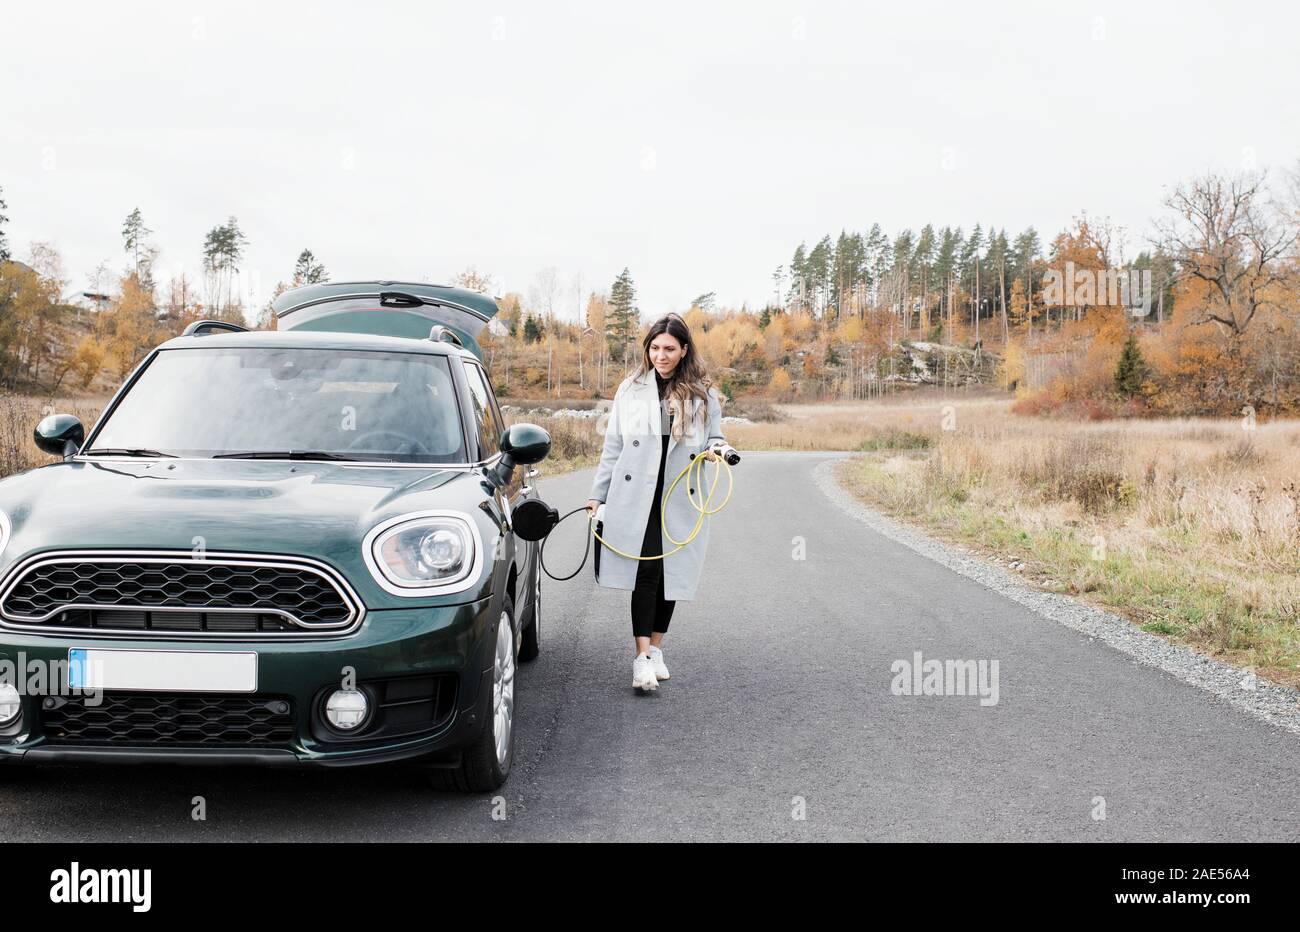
[441, 334]
[201, 328]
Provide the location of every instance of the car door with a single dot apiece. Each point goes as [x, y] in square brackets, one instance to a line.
[490, 425]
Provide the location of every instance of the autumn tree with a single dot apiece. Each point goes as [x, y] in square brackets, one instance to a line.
[1221, 232]
[128, 329]
[87, 361]
[597, 317]
[30, 325]
[472, 279]
[1084, 251]
[779, 385]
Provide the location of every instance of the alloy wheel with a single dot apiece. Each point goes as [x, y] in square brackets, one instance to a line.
[503, 689]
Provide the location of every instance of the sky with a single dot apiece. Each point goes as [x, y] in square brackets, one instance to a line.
[696, 144]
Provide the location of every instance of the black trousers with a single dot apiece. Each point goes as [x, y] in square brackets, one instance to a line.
[651, 612]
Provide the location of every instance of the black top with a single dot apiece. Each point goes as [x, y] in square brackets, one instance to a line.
[666, 421]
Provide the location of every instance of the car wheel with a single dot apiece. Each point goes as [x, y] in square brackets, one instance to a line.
[485, 764]
[530, 642]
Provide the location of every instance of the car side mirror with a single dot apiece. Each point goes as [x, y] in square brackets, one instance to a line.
[60, 434]
[525, 443]
[520, 443]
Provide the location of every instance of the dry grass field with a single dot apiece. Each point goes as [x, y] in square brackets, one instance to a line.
[19, 415]
[1188, 527]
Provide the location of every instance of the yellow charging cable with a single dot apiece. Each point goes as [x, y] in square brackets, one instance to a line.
[702, 506]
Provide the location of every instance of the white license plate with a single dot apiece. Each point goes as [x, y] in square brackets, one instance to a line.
[163, 670]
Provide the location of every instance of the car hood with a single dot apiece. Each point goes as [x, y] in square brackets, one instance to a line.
[320, 510]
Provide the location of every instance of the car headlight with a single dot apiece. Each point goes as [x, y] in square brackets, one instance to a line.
[4, 532]
[429, 553]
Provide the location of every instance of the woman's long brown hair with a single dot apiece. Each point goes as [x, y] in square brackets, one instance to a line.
[689, 379]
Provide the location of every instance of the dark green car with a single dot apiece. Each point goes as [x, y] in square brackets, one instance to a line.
[288, 547]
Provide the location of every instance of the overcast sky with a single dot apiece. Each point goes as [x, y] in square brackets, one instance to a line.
[694, 144]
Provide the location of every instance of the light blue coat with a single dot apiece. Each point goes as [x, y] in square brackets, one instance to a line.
[625, 482]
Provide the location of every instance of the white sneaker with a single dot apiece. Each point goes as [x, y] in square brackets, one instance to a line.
[657, 658]
[643, 673]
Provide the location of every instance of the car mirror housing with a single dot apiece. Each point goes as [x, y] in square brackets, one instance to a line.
[520, 443]
[60, 434]
[525, 443]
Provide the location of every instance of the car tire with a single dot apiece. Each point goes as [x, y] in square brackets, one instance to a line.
[530, 641]
[485, 764]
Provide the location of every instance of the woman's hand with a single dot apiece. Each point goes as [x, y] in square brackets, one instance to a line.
[709, 455]
[592, 505]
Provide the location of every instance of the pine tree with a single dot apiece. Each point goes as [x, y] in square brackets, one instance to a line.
[223, 247]
[135, 241]
[1026, 251]
[308, 271]
[798, 295]
[850, 260]
[971, 259]
[1131, 371]
[621, 323]
[923, 263]
[878, 259]
[820, 263]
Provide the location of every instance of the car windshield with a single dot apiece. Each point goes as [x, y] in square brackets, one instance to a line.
[301, 403]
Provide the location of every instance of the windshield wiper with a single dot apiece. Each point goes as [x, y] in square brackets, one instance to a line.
[126, 451]
[285, 455]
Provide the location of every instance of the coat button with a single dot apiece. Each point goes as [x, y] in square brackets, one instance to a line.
[629, 476]
[692, 456]
[692, 491]
[636, 443]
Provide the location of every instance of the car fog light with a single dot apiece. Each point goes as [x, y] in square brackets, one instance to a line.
[10, 704]
[346, 708]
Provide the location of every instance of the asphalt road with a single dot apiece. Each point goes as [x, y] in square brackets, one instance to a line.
[779, 722]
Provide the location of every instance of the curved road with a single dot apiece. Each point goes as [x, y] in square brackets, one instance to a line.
[779, 722]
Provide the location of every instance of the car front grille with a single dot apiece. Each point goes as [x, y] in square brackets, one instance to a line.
[172, 622]
[152, 719]
[223, 595]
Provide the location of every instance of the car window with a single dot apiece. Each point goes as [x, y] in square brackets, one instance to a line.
[357, 404]
[488, 421]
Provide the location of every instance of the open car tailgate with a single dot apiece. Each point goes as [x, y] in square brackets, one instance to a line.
[397, 309]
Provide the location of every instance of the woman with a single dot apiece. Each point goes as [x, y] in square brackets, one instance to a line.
[657, 426]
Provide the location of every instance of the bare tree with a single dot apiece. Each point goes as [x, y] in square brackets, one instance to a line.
[1224, 234]
[544, 291]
